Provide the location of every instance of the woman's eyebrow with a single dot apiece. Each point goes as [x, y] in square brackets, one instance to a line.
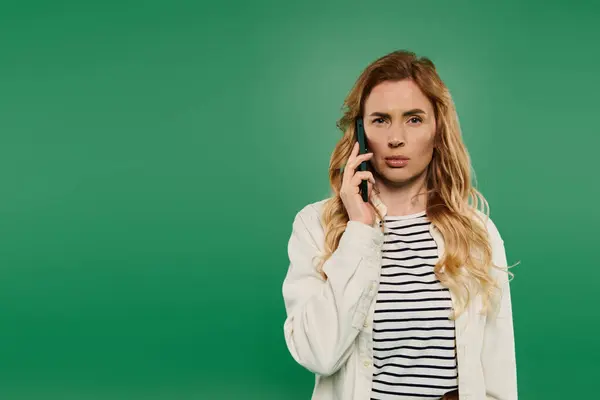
[414, 111]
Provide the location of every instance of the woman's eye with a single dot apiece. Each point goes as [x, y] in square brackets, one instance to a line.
[376, 120]
[417, 118]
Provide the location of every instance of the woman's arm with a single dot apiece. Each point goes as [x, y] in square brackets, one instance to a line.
[325, 316]
[498, 353]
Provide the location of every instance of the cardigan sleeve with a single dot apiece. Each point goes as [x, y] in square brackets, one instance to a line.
[324, 317]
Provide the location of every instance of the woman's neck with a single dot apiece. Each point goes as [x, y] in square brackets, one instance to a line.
[403, 199]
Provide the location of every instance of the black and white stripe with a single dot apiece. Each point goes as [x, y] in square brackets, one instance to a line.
[413, 338]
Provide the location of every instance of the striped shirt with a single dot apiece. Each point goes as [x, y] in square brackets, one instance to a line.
[413, 339]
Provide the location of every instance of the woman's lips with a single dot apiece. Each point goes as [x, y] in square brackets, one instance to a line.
[396, 162]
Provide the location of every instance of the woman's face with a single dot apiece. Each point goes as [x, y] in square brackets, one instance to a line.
[399, 121]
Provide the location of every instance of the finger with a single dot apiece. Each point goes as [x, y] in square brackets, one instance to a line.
[354, 152]
[362, 176]
[351, 186]
[348, 170]
[365, 175]
[358, 159]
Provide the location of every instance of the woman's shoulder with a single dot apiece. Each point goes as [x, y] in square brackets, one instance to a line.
[308, 220]
[490, 226]
[311, 212]
[497, 245]
[307, 223]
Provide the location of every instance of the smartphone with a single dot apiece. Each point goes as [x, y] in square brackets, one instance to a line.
[362, 145]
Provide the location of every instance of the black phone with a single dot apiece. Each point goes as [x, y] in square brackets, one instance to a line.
[362, 145]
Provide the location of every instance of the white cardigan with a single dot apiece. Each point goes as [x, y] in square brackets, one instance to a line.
[328, 329]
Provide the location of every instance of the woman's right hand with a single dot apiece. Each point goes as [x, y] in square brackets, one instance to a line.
[356, 207]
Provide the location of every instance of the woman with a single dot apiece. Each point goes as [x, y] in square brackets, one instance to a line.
[405, 296]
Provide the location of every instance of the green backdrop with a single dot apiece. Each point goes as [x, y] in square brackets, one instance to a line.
[153, 155]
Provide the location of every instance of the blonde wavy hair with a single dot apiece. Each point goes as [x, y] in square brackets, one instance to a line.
[452, 201]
